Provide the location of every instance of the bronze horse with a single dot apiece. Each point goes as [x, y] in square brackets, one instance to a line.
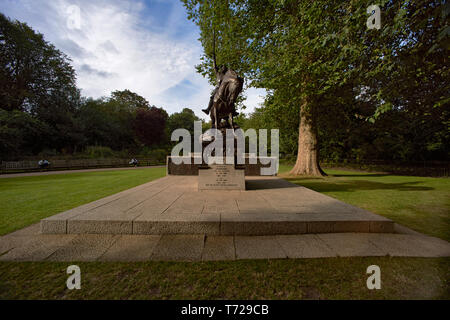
[224, 100]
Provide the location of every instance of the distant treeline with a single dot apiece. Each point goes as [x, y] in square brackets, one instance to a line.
[42, 111]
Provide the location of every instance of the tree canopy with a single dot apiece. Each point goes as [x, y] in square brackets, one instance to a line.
[33, 72]
[315, 55]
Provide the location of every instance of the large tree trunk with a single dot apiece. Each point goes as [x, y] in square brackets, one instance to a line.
[308, 151]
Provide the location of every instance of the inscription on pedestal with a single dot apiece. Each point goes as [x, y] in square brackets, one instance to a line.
[221, 177]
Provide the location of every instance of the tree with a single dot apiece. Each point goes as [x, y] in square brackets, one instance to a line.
[184, 119]
[20, 134]
[122, 121]
[38, 79]
[417, 85]
[105, 122]
[150, 125]
[32, 71]
[131, 100]
[303, 52]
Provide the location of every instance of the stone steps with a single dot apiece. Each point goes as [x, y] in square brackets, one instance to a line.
[173, 205]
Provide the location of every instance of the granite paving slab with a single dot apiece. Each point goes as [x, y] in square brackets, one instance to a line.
[173, 205]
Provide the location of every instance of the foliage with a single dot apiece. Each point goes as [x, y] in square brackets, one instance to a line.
[182, 120]
[96, 152]
[131, 100]
[20, 133]
[105, 122]
[34, 75]
[150, 125]
[374, 94]
[38, 79]
[158, 155]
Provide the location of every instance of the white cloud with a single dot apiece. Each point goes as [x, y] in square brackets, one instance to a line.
[133, 57]
[120, 46]
[255, 97]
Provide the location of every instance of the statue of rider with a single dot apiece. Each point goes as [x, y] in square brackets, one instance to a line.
[220, 74]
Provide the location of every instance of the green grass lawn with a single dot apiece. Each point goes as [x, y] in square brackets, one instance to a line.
[26, 200]
[420, 203]
[330, 278]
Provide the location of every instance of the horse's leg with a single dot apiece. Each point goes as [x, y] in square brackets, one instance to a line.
[230, 120]
[213, 118]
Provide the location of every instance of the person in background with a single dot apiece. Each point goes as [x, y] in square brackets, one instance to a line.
[43, 164]
[134, 162]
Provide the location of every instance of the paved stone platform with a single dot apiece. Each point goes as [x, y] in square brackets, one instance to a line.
[29, 244]
[173, 205]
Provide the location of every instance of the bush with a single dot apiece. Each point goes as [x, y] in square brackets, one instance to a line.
[20, 134]
[124, 154]
[289, 158]
[95, 152]
[46, 153]
[158, 155]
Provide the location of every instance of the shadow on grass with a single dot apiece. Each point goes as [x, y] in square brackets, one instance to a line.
[356, 185]
[361, 175]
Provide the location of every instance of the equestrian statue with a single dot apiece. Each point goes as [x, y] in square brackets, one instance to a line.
[223, 98]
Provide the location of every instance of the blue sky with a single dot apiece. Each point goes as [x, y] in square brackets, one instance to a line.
[149, 47]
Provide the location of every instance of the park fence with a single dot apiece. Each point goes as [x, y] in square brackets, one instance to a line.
[422, 168]
[32, 165]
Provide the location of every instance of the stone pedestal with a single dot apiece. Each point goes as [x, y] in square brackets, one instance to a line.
[221, 177]
[191, 167]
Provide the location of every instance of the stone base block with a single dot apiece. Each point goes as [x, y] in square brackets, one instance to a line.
[221, 177]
